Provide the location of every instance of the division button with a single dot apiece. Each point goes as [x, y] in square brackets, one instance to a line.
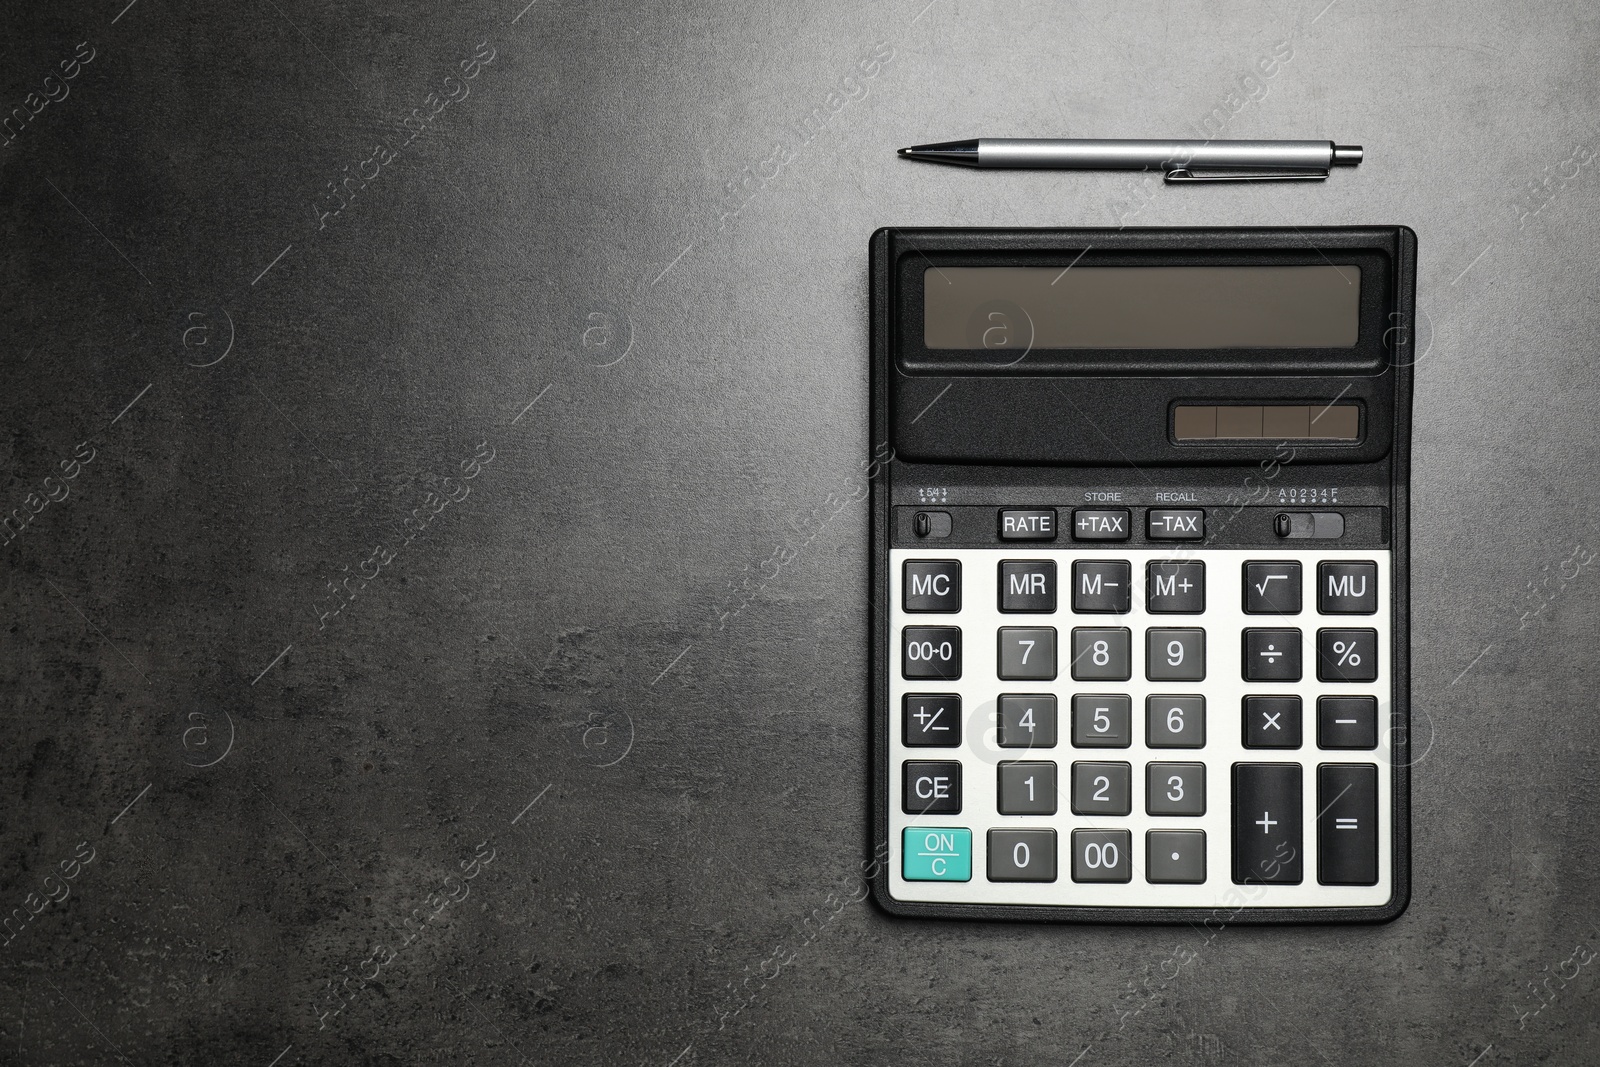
[936, 854]
[1102, 587]
[1347, 722]
[1036, 525]
[1347, 655]
[931, 720]
[1267, 844]
[931, 787]
[1022, 855]
[931, 652]
[1175, 857]
[1102, 856]
[1272, 722]
[932, 585]
[1272, 588]
[1028, 586]
[1347, 828]
[1347, 588]
[1175, 588]
[1272, 655]
[1105, 524]
[1176, 524]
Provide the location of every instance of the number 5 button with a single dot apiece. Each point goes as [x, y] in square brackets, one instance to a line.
[931, 652]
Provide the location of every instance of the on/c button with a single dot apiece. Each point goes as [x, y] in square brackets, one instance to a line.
[936, 854]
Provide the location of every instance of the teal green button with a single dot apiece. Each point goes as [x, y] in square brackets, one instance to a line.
[937, 854]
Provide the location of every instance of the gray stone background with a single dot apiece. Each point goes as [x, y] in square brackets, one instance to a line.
[561, 773]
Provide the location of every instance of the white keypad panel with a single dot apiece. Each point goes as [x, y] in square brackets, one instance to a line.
[1169, 727]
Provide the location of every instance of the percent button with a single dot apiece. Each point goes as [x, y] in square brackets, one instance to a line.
[1347, 655]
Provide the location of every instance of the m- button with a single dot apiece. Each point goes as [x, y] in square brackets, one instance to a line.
[1028, 525]
[1110, 524]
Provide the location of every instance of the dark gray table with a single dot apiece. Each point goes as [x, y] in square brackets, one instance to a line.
[401, 408]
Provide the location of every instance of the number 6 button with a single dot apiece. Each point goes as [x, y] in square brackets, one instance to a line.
[931, 652]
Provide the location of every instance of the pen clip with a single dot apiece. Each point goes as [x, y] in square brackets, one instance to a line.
[1193, 174]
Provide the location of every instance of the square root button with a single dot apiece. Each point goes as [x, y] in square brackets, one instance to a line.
[936, 854]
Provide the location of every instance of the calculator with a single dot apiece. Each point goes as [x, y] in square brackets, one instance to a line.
[1139, 573]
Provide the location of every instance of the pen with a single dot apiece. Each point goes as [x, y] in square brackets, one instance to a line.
[1179, 160]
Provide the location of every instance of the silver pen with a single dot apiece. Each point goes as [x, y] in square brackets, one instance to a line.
[1178, 160]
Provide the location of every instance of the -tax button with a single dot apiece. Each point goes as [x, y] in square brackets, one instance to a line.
[936, 854]
[1039, 525]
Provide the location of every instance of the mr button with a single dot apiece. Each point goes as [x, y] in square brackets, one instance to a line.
[1028, 525]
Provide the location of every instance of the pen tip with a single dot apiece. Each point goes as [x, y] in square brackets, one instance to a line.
[903, 152]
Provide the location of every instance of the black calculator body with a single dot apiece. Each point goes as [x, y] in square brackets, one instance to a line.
[1140, 645]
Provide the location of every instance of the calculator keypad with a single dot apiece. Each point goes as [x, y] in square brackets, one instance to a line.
[1122, 725]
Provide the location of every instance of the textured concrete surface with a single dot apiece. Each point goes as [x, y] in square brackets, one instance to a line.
[356, 711]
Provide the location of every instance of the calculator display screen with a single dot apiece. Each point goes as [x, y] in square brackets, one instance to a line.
[1198, 307]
